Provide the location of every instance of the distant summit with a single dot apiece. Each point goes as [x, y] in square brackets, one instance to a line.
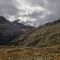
[3, 20]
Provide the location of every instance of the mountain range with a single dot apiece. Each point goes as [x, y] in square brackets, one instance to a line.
[10, 30]
[46, 35]
[22, 42]
[18, 34]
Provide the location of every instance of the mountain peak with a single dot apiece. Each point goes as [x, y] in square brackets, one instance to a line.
[3, 20]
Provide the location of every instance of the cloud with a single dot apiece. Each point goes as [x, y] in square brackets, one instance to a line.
[36, 11]
[8, 8]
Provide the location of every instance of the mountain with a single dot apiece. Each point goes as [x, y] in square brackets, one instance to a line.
[3, 20]
[21, 25]
[41, 43]
[10, 30]
[46, 35]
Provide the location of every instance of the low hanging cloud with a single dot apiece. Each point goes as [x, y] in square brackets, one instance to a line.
[36, 11]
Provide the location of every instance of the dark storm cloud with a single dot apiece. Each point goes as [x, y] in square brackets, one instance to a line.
[54, 6]
[42, 11]
[52, 12]
[36, 2]
[34, 14]
[7, 7]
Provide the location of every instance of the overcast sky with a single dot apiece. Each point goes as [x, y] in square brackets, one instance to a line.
[36, 11]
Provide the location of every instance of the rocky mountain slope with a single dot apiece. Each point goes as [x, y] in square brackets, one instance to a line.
[46, 35]
[10, 30]
[42, 43]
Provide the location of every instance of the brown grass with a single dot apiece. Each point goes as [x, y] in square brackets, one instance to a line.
[50, 53]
